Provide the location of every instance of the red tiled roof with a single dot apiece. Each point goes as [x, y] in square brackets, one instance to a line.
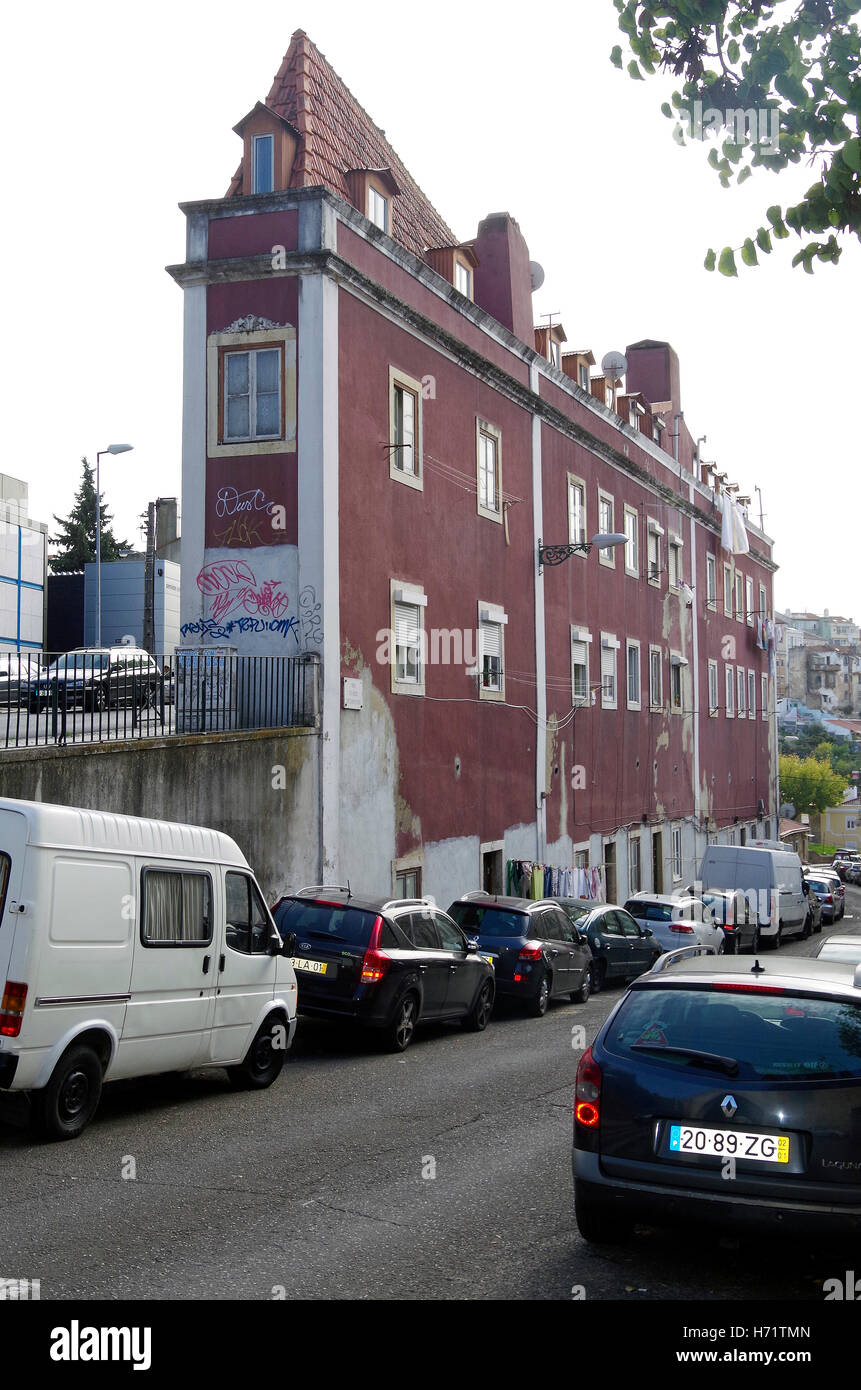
[336, 135]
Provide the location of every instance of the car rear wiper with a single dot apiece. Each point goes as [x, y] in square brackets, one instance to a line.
[705, 1059]
[324, 935]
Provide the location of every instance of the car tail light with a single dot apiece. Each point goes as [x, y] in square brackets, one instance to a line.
[748, 989]
[587, 1096]
[530, 952]
[829, 897]
[680, 927]
[12, 1009]
[375, 962]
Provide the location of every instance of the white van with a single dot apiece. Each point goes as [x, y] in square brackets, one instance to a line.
[130, 947]
[769, 879]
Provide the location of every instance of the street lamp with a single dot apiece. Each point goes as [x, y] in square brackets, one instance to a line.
[556, 554]
[111, 449]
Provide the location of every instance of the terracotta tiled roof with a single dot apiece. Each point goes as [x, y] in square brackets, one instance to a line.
[336, 135]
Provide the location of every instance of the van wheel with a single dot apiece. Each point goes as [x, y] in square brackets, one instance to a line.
[69, 1101]
[263, 1060]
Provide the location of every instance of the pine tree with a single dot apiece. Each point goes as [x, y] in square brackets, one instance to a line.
[77, 533]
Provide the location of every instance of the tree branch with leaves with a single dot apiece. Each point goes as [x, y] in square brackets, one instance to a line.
[799, 65]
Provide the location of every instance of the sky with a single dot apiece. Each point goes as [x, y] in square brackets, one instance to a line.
[128, 111]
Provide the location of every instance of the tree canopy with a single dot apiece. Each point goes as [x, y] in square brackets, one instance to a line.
[77, 533]
[810, 784]
[784, 82]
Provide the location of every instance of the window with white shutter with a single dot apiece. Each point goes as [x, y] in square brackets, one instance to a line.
[491, 651]
[580, 640]
[408, 654]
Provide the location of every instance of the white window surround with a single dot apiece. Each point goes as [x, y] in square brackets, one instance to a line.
[484, 428]
[674, 560]
[577, 483]
[463, 278]
[258, 143]
[713, 689]
[280, 335]
[763, 695]
[606, 501]
[728, 590]
[748, 599]
[751, 694]
[403, 596]
[413, 862]
[677, 665]
[741, 689]
[378, 208]
[632, 546]
[656, 678]
[609, 671]
[739, 596]
[677, 853]
[400, 380]
[711, 581]
[632, 646]
[581, 640]
[729, 691]
[492, 620]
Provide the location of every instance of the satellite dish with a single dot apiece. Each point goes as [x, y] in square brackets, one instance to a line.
[536, 274]
[787, 811]
[614, 366]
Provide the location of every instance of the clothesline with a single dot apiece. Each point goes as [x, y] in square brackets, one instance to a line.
[525, 878]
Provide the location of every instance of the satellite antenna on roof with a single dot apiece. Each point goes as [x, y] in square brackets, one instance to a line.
[614, 366]
[536, 273]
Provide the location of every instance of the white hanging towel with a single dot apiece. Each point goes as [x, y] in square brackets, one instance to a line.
[733, 530]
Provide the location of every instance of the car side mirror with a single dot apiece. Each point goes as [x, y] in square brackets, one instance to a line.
[647, 931]
[471, 944]
[805, 887]
[287, 946]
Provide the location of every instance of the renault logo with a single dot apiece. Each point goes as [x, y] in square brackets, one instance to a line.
[728, 1106]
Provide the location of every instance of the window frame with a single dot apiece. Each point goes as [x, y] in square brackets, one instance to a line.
[251, 352]
[763, 694]
[714, 705]
[751, 693]
[711, 581]
[461, 268]
[577, 484]
[654, 534]
[484, 429]
[217, 345]
[741, 692]
[676, 859]
[675, 562]
[728, 589]
[179, 872]
[748, 599]
[632, 562]
[633, 645]
[259, 140]
[739, 596]
[580, 636]
[677, 664]
[612, 649]
[729, 690]
[607, 556]
[635, 862]
[414, 596]
[400, 381]
[491, 615]
[373, 192]
[656, 651]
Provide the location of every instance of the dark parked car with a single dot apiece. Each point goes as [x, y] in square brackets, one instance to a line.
[537, 954]
[96, 678]
[709, 1060]
[823, 871]
[823, 890]
[621, 949]
[386, 964]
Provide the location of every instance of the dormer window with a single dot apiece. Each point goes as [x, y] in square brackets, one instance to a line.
[264, 163]
[463, 279]
[378, 209]
[583, 374]
[555, 354]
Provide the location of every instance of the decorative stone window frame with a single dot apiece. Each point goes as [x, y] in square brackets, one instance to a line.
[751, 694]
[654, 531]
[484, 427]
[739, 596]
[610, 643]
[400, 591]
[491, 614]
[581, 635]
[632, 644]
[608, 555]
[397, 378]
[244, 335]
[677, 862]
[678, 663]
[574, 481]
[741, 692]
[675, 543]
[656, 705]
[632, 569]
[714, 705]
[728, 586]
[763, 695]
[729, 690]
[711, 581]
[748, 599]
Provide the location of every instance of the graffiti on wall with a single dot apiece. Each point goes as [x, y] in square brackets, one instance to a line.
[250, 503]
[248, 517]
[240, 604]
[309, 617]
[232, 586]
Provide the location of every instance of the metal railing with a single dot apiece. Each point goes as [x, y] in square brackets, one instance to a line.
[96, 697]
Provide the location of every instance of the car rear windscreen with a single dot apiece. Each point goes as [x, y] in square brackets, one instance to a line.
[322, 921]
[489, 921]
[772, 1037]
[649, 912]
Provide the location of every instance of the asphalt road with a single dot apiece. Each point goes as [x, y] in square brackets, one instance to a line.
[441, 1174]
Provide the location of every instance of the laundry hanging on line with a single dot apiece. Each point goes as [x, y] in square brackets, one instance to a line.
[525, 878]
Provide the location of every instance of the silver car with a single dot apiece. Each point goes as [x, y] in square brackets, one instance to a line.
[675, 922]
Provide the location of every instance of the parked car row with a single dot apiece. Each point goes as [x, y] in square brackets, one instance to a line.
[89, 678]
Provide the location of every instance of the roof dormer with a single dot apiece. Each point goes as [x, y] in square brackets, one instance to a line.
[578, 365]
[372, 191]
[455, 264]
[269, 149]
[549, 340]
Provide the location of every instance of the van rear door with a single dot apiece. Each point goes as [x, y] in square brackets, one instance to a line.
[13, 846]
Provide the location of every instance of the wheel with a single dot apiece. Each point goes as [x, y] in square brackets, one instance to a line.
[98, 699]
[775, 942]
[479, 1015]
[69, 1101]
[597, 1222]
[538, 1005]
[807, 929]
[597, 973]
[399, 1033]
[581, 995]
[736, 944]
[263, 1060]
[721, 946]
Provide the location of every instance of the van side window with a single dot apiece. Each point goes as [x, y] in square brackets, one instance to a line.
[248, 928]
[5, 865]
[177, 908]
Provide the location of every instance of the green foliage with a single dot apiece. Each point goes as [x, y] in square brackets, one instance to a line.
[799, 63]
[77, 533]
[810, 784]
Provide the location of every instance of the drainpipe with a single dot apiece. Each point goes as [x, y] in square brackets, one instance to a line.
[540, 641]
[676, 419]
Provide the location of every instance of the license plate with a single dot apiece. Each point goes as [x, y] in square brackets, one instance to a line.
[312, 967]
[729, 1143]
[488, 955]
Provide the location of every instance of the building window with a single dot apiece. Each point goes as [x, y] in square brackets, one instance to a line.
[463, 278]
[489, 468]
[751, 694]
[583, 377]
[763, 602]
[729, 691]
[633, 673]
[251, 394]
[408, 883]
[675, 684]
[580, 641]
[632, 543]
[378, 209]
[763, 695]
[656, 678]
[576, 511]
[408, 665]
[711, 581]
[741, 691]
[713, 688]
[653, 553]
[263, 178]
[748, 600]
[609, 647]
[177, 908]
[634, 876]
[405, 429]
[677, 853]
[555, 354]
[634, 416]
[727, 591]
[739, 597]
[491, 651]
[605, 526]
[674, 555]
